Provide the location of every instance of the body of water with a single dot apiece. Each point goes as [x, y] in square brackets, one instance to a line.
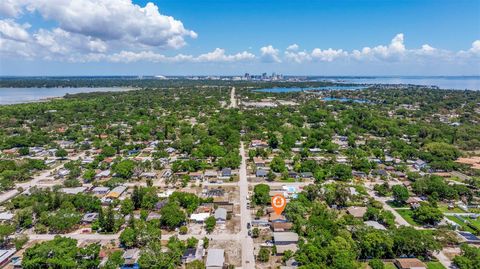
[360, 101]
[449, 82]
[295, 89]
[26, 95]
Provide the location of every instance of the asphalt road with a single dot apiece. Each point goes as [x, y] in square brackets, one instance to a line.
[248, 258]
[233, 101]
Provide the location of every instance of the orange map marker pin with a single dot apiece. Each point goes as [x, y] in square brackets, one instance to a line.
[278, 203]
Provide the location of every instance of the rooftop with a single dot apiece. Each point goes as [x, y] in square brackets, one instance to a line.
[215, 258]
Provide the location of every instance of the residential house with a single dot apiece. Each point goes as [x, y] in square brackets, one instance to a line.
[357, 211]
[196, 175]
[215, 259]
[261, 173]
[167, 174]
[225, 205]
[16, 262]
[75, 190]
[414, 202]
[467, 237]
[285, 241]
[307, 175]
[259, 162]
[89, 217]
[221, 215]
[63, 173]
[211, 174]
[5, 254]
[226, 172]
[103, 174]
[215, 193]
[293, 174]
[419, 164]
[130, 257]
[100, 190]
[87, 160]
[399, 175]
[281, 226]
[190, 255]
[258, 144]
[380, 173]
[116, 192]
[409, 263]
[148, 175]
[199, 217]
[274, 217]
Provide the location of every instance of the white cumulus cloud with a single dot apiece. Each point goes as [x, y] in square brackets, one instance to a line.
[108, 20]
[328, 55]
[218, 55]
[14, 31]
[394, 51]
[11, 8]
[270, 54]
[293, 47]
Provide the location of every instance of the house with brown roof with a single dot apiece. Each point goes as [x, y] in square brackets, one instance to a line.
[410, 263]
[413, 202]
[281, 226]
[259, 162]
[258, 144]
[357, 211]
[274, 217]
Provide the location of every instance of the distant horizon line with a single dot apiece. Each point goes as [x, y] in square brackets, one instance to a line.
[236, 75]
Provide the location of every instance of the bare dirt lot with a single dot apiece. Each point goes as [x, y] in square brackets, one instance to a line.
[233, 251]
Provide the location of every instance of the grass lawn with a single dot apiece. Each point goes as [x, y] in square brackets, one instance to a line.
[444, 209]
[390, 265]
[464, 226]
[475, 222]
[435, 265]
[289, 180]
[407, 214]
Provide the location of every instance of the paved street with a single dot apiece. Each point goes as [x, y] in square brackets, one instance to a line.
[248, 259]
[233, 101]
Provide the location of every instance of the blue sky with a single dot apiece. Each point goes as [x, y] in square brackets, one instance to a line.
[338, 37]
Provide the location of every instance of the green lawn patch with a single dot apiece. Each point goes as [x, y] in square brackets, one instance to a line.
[475, 222]
[435, 265]
[407, 214]
[463, 226]
[444, 209]
[289, 180]
[390, 265]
